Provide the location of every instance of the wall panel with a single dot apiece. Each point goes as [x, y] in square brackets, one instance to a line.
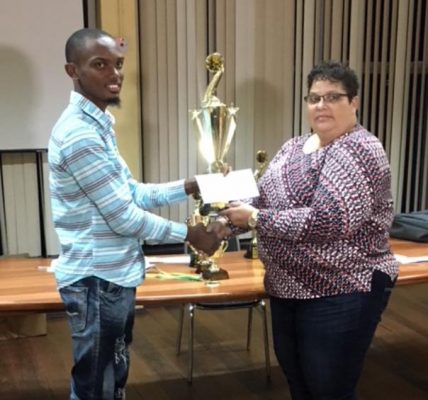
[269, 49]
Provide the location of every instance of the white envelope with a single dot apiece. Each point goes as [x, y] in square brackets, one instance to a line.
[236, 185]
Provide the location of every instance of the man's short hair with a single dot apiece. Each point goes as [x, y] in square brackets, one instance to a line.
[77, 42]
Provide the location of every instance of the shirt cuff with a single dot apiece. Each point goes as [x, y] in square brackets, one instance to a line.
[178, 231]
[176, 191]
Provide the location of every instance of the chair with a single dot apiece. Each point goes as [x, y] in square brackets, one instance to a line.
[259, 304]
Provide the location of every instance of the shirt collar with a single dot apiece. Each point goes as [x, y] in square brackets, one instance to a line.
[105, 119]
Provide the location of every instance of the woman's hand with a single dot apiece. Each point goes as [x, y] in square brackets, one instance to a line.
[221, 228]
[238, 213]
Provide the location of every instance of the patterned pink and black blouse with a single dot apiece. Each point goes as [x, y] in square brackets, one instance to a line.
[325, 216]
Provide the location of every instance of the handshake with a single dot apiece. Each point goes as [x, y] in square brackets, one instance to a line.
[207, 239]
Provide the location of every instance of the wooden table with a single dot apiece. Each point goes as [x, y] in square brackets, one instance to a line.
[411, 273]
[24, 287]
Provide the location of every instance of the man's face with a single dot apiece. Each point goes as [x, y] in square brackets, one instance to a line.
[97, 71]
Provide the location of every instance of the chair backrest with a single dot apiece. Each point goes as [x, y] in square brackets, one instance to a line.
[233, 244]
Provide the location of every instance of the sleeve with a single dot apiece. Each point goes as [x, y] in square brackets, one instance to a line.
[152, 195]
[116, 195]
[343, 200]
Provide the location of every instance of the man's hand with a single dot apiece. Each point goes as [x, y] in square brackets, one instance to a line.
[238, 213]
[191, 186]
[202, 240]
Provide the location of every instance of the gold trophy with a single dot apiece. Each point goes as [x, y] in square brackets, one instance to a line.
[262, 161]
[214, 124]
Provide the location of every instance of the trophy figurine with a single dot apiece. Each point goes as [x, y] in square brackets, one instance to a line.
[262, 161]
[214, 125]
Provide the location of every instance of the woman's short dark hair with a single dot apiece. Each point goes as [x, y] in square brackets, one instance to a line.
[334, 71]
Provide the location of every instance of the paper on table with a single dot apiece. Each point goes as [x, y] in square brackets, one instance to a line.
[410, 260]
[50, 268]
[149, 262]
[236, 185]
[177, 259]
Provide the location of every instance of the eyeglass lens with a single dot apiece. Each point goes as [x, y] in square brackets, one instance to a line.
[327, 98]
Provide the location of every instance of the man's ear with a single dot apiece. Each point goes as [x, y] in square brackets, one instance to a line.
[71, 70]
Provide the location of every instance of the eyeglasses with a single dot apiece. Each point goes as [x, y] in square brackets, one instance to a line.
[327, 98]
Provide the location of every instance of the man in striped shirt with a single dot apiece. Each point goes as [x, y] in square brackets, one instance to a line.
[100, 215]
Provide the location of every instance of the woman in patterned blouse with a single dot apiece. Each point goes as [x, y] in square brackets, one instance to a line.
[322, 222]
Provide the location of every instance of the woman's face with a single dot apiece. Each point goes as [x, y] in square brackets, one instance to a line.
[331, 116]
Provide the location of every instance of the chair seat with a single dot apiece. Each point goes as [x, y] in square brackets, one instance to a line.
[230, 305]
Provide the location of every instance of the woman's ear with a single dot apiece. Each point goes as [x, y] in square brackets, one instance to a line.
[356, 102]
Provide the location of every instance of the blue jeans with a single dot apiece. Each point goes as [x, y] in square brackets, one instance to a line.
[321, 343]
[101, 318]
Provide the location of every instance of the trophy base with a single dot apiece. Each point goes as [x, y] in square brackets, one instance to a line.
[194, 259]
[210, 271]
[218, 275]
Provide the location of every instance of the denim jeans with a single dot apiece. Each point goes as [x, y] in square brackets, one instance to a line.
[101, 318]
[321, 343]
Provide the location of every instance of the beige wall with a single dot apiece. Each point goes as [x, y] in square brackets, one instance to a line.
[118, 17]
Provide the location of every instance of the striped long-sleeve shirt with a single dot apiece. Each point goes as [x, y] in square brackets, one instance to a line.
[99, 211]
[325, 216]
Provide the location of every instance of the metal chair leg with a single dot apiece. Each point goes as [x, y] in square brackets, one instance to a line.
[266, 339]
[180, 329]
[249, 327]
[191, 311]
[191, 333]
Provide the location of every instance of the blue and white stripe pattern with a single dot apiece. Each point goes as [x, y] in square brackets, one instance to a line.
[99, 210]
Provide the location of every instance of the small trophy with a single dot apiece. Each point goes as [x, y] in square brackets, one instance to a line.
[262, 161]
[214, 124]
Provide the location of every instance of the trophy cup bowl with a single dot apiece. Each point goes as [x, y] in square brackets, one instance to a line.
[214, 124]
[214, 127]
